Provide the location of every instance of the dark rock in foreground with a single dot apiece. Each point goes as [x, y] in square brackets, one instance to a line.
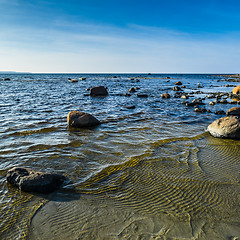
[81, 120]
[34, 181]
[98, 91]
[225, 127]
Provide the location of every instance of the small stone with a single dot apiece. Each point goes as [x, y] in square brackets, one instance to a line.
[224, 101]
[220, 112]
[184, 97]
[176, 88]
[165, 95]
[130, 107]
[142, 95]
[178, 83]
[212, 103]
[200, 110]
[132, 90]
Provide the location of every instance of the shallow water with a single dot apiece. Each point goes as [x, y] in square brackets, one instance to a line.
[146, 173]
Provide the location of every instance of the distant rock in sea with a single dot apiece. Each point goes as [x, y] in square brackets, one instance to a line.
[165, 95]
[98, 91]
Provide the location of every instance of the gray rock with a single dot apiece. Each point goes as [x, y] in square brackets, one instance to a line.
[34, 181]
[225, 127]
[81, 120]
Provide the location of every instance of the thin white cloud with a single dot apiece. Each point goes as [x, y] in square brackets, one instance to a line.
[97, 48]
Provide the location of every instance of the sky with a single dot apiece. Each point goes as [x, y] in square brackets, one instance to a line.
[120, 36]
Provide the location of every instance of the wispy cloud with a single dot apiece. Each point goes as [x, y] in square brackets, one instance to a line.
[75, 47]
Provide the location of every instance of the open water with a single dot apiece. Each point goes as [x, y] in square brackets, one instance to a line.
[152, 172]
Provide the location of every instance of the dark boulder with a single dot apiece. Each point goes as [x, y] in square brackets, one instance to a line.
[98, 91]
[235, 111]
[132, 90]
[29, 180]
[142, 95]
[130, 107]
[220, 112]
[178, 83]
[78, 119]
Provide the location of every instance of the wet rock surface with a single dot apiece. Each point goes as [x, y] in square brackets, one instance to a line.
[225, 127]
[78, 119]
[29, 180]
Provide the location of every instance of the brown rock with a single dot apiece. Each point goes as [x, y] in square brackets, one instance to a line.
[132, 90]
[165, 95]
[34, 181]
[178, 83]
[98, 91]
[234, 111]
[81, 120]
[236, 90]
[225, 127]
[176, 88]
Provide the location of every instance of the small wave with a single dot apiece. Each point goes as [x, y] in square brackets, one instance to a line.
[36, 131]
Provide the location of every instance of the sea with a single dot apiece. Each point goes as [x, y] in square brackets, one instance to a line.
[151, 171]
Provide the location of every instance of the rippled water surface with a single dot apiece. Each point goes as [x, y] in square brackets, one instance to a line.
[152, 172]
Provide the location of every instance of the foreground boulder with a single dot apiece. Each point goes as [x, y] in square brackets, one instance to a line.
[81, 120]
[34, 181]
[234, 111]
[225, 127]
[98, 91]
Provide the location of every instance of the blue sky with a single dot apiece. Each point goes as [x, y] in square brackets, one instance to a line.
[183, 36]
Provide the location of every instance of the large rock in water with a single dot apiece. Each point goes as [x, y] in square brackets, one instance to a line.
[225, 127]
[81, 120]
[236, 90]
[234, 111]
[34, 181]
[98, 91]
